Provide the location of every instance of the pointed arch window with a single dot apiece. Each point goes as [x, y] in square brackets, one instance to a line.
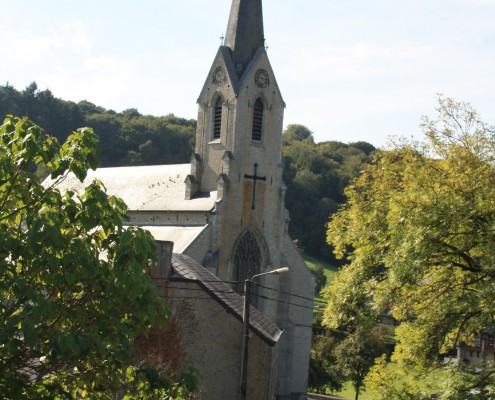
[217, 124]
[247, 262]
[258, 119]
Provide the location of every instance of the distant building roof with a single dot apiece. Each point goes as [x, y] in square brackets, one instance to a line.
[149, 188]
[189, 269]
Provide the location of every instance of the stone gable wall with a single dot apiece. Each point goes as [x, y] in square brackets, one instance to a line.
[204, 335]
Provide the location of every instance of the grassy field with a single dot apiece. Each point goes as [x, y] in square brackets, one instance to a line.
[348, 393]
[328, 269]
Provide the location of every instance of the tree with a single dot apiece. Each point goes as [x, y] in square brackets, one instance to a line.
[356, 354]
[324, 373]
[74, 285]
[296, 132]
[418, 232]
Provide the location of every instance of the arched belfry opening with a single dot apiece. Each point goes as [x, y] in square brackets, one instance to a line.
[258, 110]
[249, 258]
[217, 118]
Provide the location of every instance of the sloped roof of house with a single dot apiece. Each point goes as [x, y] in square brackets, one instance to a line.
[148, 188]
[189, 269]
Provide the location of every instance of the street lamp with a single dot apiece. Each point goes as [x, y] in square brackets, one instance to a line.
[245, 325]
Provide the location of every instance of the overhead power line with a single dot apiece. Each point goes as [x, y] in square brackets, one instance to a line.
[257, 284]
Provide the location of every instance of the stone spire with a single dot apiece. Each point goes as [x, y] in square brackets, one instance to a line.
[244, 31]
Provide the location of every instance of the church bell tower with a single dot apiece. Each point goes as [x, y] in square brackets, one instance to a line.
[238, 143]
[237, 160]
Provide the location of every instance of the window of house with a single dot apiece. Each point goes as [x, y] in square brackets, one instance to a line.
[257, 119]
[217, 124]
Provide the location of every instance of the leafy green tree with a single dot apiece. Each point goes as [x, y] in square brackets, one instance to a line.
[74, 285]
[296, 132]
[418, 233]
[356, 354]
[324, 374]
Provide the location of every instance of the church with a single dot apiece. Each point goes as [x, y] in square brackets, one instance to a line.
[221, 220]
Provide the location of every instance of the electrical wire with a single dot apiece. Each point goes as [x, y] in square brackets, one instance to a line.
[231, 292]
[291, 294]
[254, 283]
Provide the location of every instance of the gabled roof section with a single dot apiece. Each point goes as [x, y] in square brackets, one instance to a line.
[244, 31]
[260, 60]
[222, 58]
[149, 188]
[189, 269]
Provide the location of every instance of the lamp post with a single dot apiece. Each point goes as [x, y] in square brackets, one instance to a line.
[245, 326]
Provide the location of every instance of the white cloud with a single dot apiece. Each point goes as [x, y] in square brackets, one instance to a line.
[361, 60]
[36, 46]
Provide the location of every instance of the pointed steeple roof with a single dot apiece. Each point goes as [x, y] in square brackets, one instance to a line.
[244, 31]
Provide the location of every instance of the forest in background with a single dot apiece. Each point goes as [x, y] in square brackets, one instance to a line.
[126, 138]
[315, 173]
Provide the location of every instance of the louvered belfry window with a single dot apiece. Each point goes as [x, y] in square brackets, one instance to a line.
[218, 119]
[257, 119]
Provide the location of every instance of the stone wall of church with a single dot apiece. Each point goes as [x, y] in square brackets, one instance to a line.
[212, 165]
[296, 343]
[211, 338]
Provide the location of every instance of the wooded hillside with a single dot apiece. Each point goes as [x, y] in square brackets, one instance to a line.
[126, 138]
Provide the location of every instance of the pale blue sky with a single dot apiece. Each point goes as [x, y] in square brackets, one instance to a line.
[348, 69]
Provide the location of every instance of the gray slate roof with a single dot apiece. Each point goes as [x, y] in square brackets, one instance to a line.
[189, 269]
[149, 188]
[182, 236]
[245, 30]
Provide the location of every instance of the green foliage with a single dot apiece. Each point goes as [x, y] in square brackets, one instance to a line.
[337, 357]
[74, 285]
[328, 269]
[418, 233]
[385, 383]
[467, 382]
[320, 277]
[324, 373]
[356, 354]
[127, 138]
[316, 175]
[295, 132]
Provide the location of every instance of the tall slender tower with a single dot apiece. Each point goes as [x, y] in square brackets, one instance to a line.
[238, 147]
[238, 156]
